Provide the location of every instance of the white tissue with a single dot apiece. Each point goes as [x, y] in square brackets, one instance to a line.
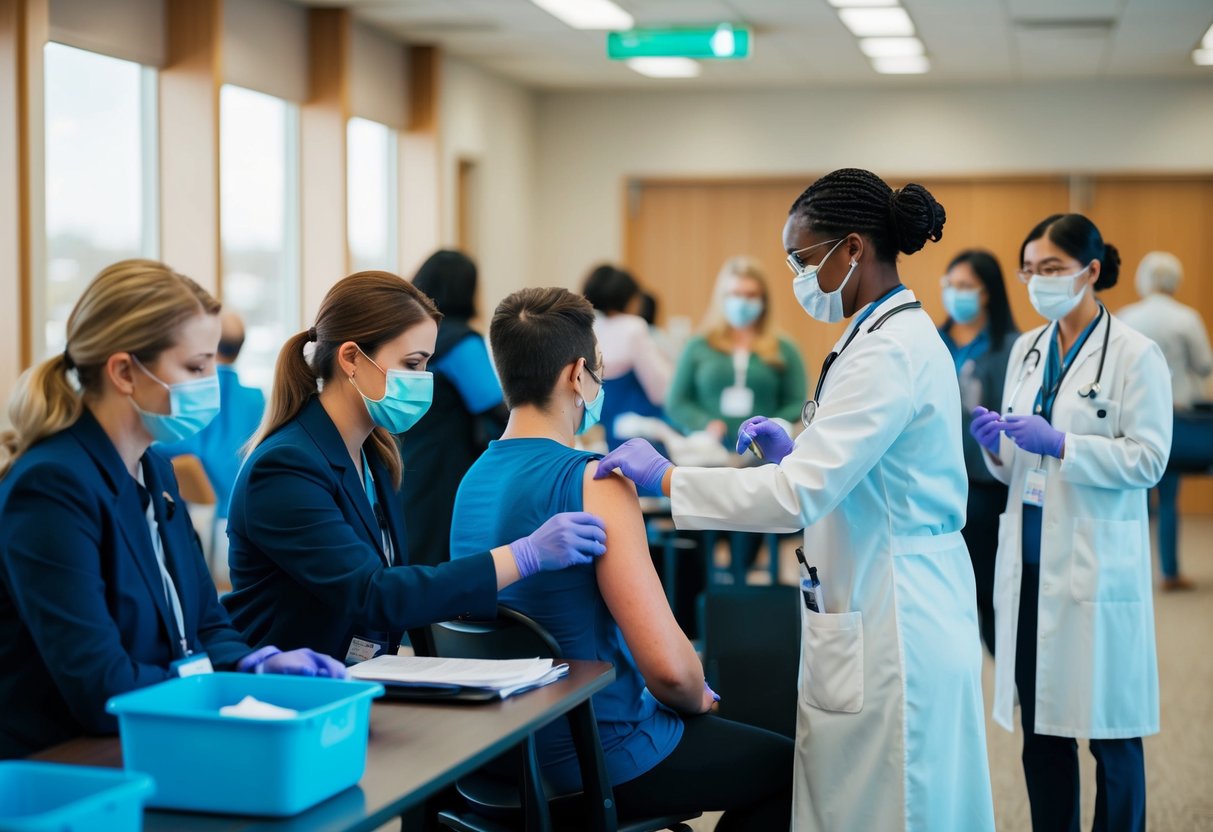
[252, 708]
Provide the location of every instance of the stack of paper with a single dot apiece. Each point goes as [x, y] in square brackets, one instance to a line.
[487, 678]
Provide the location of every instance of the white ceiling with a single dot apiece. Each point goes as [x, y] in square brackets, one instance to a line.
[802, 42]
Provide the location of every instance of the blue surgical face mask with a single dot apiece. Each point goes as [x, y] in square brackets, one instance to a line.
[407, 395]
[192, 406]
[963, 305]
[593, 410]
[740, 312]
[821, 305]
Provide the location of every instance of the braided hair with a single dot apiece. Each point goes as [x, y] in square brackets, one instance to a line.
[853, 200]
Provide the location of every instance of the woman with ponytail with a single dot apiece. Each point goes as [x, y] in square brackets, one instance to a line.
[1084, 433]
[103, 588]
[318, 550]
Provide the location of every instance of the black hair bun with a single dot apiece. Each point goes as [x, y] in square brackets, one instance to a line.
[916, 216]
[1109, 268]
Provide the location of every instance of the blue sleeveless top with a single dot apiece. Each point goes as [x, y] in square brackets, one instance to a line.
[515, 486]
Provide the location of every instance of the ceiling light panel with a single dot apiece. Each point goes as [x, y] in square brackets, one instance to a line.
[856, 4]
[891, 47]
[588, 14]
[877, 23]
[909, 65]
[665, 67]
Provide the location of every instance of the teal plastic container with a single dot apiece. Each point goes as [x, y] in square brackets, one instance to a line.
[203, 761]
[48, 797]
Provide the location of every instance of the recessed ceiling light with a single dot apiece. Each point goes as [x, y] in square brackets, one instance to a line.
[1202, 57]
[890, 47]
[665, 67]
[908, 65]
[877, 23]
[844, 4]
[588, 14]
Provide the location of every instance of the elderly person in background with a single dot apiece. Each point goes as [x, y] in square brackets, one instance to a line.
[1180, 333]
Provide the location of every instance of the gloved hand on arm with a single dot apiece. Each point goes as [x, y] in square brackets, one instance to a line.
[568, 539]
[986, 427]
[301, 662]
[770, 437]
[711, 698]
[639, 462]
[1035, 435]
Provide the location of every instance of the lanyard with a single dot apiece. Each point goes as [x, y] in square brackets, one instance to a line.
[177, 623]
[1056, 369]
[863, 316]
[368, 484]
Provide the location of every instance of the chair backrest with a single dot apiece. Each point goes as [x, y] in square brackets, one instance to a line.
[752, 653]
[511, 635]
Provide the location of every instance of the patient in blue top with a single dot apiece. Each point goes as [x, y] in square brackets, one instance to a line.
[665, 753]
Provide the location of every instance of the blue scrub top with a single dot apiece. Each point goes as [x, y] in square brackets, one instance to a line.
[1055, 368]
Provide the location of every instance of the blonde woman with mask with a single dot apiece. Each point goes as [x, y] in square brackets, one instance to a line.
[103, 588]
[739, 366]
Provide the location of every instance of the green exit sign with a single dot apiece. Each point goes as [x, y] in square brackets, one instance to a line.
[718, 42]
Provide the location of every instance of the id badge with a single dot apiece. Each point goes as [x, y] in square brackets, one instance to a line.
[198, 664]
[362, 649]
[1034, 488]
[737, 402]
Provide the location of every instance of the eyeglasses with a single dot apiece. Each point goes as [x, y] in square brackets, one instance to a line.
[796, 264]
[594, 375]
[1054, 269]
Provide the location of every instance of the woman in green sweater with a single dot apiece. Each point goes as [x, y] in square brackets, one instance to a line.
[739, 367]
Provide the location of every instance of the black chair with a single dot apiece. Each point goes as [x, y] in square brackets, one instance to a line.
[497, 803]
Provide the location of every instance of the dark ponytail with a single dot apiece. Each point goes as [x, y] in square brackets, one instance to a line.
[1078, 237]
[853, 200]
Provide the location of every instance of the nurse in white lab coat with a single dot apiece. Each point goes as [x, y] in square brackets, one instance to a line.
[1084, 433]
[890, 731]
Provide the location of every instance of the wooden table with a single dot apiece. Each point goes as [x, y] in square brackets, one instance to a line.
[415, 751]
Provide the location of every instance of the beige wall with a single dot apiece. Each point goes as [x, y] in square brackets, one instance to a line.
[493, 123]
[588, 143]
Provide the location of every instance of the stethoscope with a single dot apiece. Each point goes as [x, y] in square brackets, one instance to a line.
[1087, 391]
[809, 412]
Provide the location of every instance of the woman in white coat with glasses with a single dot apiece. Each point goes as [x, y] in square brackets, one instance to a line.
[1085, 431]
[890, 722]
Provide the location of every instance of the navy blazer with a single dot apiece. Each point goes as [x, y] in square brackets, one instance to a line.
[306, 555]
[83, 614]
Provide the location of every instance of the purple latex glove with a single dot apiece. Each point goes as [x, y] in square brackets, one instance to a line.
[639, 462]
[1035, 435]
[771, 439]
[301, 662]
[568, 539]
[985, 427]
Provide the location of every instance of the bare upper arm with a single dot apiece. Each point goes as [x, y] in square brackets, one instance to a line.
[626, 577]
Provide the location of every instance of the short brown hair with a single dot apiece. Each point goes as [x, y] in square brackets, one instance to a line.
[535, 334]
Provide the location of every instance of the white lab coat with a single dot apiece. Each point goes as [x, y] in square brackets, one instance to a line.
[890, 730]
[1096, 669]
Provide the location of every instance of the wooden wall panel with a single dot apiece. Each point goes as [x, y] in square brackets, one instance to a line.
[679, 232]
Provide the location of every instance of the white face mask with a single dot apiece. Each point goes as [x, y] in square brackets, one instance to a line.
[821, 305]
[1054, 297]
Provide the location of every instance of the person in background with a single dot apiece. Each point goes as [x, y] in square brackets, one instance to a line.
[636, 373]
[467, 412]
[219, 446]
[103, 588]
[671, 339]
[1084, 433]
[979, 332]
[319, 556]
[739, 366]
[665, 753]
[1181, 335]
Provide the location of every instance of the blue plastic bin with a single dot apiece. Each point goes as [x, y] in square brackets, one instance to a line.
[48, 797]
[203, 761]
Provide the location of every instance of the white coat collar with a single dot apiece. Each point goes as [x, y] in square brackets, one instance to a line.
[906, 295]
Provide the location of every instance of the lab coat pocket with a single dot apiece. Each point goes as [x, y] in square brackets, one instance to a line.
[832, 661]
[1105, 560]
[1095, 417]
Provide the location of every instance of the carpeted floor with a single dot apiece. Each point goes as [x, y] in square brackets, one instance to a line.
[1179, 761]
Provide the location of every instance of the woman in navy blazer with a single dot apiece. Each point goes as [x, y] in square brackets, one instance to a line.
[318, 551]
[103, 587]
